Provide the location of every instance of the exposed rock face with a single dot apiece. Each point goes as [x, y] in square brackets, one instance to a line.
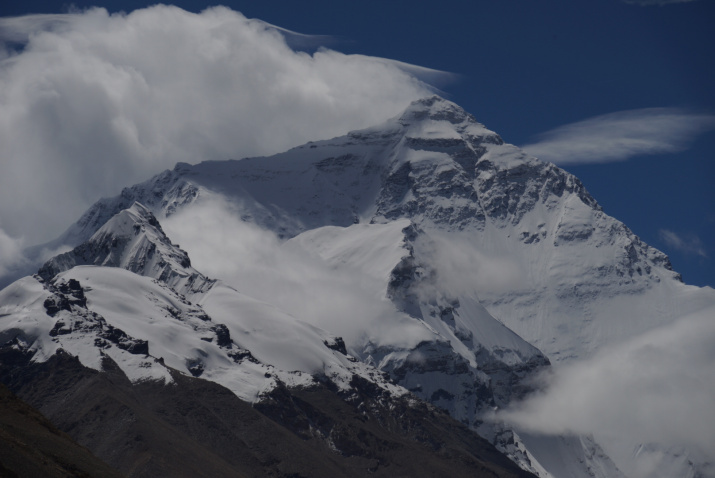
[68, 296]
[195, 428]
[133, 240]
[31, 446]
[476, 364]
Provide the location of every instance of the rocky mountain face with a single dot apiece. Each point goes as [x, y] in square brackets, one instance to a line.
[196, 428]
[145, 325]
[33, 446]
[469, 362]
[95, 332]
[133, 240]
[438, 167]
[479, 266]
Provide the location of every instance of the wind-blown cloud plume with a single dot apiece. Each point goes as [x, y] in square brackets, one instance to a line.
[657, 387]
[687, 245]
[91, 102]
[619, 136]
[258, 264]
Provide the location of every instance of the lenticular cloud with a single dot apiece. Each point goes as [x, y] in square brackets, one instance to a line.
[90, 102]
[622, 135]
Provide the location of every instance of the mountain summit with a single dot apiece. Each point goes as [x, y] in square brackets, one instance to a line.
[437, 262]
[436, 166]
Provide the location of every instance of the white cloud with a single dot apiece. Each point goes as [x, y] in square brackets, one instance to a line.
[19, 29]
[619, 136]
[93, 102]
[462, 269]
[690, 244]
[11, 257]
[256, 263]
[656, 387]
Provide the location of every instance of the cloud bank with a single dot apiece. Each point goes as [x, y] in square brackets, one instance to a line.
[256, 263]
[91, 102]
[619, 136]
[656, 387]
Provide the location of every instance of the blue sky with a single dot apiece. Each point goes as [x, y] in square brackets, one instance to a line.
[529, 69]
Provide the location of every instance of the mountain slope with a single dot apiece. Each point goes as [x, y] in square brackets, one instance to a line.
[243, 343]
[109, 340]
[133, 240]
[471, 361]
[197, 428]
[144, 326]
[142, 425]
[441, 256]
[438, 167]
[32, 446]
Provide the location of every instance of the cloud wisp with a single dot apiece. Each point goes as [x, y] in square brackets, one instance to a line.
[91, 102]
[11, 257]
[689, 245]
[258, 264]
[622, 135]
[656, 387]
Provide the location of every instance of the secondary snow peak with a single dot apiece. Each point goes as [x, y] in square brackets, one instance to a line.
[134, 240]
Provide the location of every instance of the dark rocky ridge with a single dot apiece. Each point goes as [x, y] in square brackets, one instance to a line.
[198, 428]
[31, 446]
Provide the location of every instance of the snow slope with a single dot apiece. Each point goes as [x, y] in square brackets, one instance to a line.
[145, 325]
[133, 240]
[465, 335]
[483, 256]
[438, 167]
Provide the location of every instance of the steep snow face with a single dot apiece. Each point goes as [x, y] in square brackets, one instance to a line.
[333, 182]
[493, 233]
[578, 266]
[133, 240]
[247, 346]
[295, 351]
[552, 456]
[145, 325]
[468, 362]
[568, 455]
[438, 167]
[42, 318]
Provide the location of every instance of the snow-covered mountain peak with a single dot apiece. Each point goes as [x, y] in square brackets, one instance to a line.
[455, 263]
[136, 216]
[437, 167]
[93, 302]
[435, 108]
[433, 119]
[134, 240]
